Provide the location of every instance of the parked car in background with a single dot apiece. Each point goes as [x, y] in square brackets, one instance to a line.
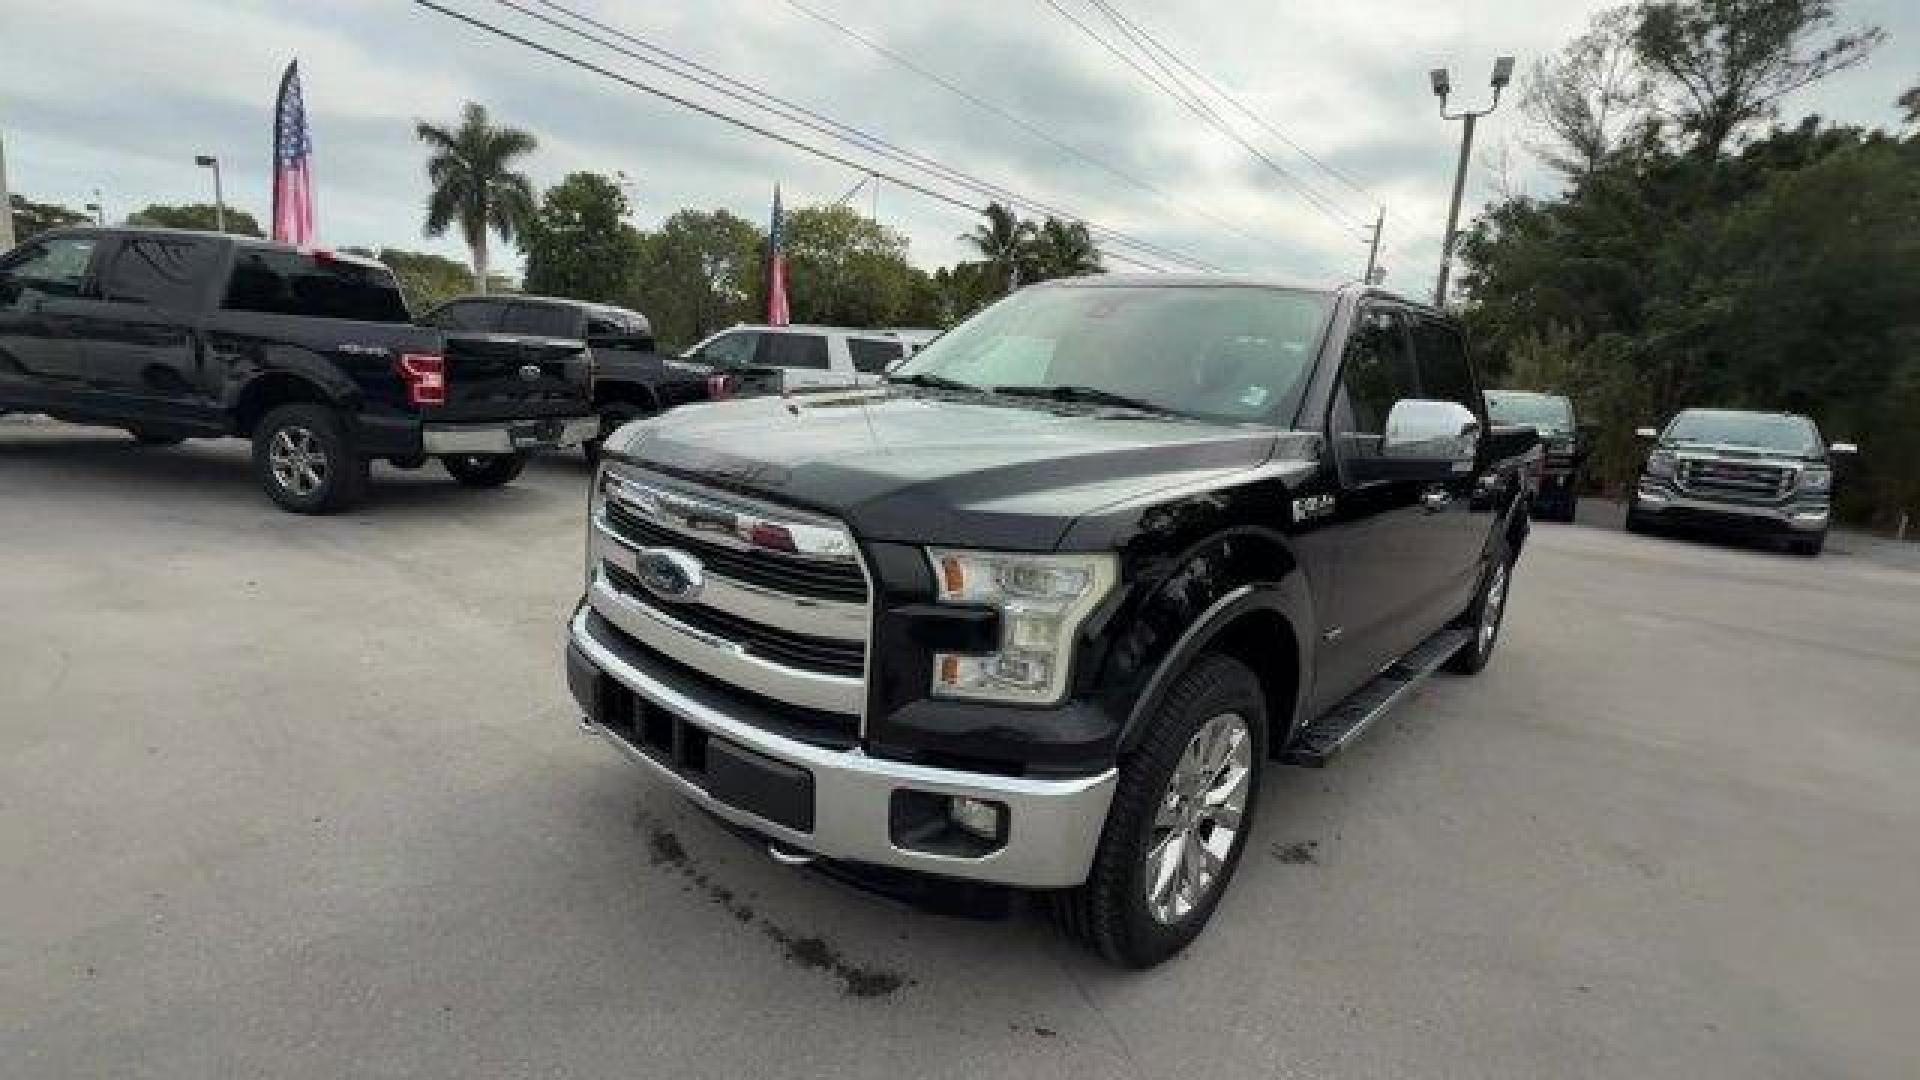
[1754, 473]
[312, 355]
[1051, 631]
[1565, 449]
[773, 359]
[631, 379]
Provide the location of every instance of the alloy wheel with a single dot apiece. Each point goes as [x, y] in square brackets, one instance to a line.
[298, 460]
[1199, 818]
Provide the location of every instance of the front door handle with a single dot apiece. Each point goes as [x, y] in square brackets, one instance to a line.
[1435, 499]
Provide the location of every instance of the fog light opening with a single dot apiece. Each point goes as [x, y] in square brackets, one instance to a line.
[956, 826]
[986, 820]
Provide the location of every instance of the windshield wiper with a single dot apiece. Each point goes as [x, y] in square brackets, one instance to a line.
[1089, 395]
[936, 382]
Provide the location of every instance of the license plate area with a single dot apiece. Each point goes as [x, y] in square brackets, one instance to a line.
[533, 433]
[739, 777]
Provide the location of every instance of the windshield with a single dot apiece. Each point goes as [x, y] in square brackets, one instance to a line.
[1532, 410]
[1229, 353]
[1766, 431]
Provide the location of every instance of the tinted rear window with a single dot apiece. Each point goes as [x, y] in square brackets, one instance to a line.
[873, 356]
[467, 316]
[542, 320]
[794, 351]
[165, 271]
[298, 283]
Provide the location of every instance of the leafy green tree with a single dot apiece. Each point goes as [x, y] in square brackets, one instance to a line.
[31, 218]
[849, 270]
[1587, 99]
[1723, 64]
[697, 274]
[1910, 104]
[1064, 249]
[202, 216]
[1004, 241]
[579, 243]
[474, 185]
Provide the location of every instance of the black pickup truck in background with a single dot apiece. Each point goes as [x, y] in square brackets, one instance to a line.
[312, 355]
[1044, 608]
[630, 378]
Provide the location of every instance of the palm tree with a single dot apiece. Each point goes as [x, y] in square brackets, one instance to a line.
[1005, 241]
[1066, 249]
[470, 169]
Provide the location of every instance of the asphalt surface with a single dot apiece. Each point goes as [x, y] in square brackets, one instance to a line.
[290, 797]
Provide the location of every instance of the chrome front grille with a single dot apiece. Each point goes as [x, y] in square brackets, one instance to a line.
[781, 606]
[1743, 480]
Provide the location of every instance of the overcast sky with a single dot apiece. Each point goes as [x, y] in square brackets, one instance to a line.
[121, 95]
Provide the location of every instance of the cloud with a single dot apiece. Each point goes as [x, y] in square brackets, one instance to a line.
[121, 95]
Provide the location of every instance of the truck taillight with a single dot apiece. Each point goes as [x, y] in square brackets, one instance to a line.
[426, 377]
[717, 387]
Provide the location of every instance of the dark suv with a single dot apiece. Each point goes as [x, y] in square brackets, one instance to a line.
[1563, 446]
[1753, 473]
[1043, 609]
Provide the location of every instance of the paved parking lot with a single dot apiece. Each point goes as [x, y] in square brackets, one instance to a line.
[289, 797]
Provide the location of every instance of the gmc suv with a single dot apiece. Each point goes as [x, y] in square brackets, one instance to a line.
[1753, 473]
[1044, 608]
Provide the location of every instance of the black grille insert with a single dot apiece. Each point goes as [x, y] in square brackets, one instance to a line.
[828, 656]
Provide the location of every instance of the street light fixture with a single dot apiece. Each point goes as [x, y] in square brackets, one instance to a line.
[208, 161]
[1442, 86]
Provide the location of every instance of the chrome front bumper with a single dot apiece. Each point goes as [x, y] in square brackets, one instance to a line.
[1801, 517]
[1053, 824]
[507, 436]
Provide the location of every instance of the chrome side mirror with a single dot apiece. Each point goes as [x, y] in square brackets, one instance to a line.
[1422, 430]
[1645, 433]
[1843, 448]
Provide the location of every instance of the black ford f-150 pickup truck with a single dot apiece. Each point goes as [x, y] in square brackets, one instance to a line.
[1749, 473]
[631, 379]
[1044, 608]
[311, 354]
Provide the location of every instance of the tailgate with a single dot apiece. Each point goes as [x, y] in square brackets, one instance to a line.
[510, 377]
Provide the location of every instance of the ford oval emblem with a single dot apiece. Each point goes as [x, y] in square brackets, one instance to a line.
[669, 573]
[530, 373]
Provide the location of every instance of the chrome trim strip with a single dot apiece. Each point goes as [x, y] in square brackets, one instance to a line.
[725, 660]
[728, 522]
[1054, 824]
[755, 603]
[1805, 516]
[497, 438]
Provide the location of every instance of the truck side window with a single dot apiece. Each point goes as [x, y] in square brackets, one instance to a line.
[730, 350]
[1379, 371]
[794, 351]
[164, 271]
[1442, 356]
[54, 267]
[873, 355]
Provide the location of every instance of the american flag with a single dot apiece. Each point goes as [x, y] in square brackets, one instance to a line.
[292, 164]
[777, 313]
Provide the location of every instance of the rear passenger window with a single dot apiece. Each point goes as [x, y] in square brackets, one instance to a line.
[56, 266]
[541, 320]
[794, 351]
[318, 286]
[1379, 370]
[1442, 357]
[873, 355]
[467, 317]
[167, 272]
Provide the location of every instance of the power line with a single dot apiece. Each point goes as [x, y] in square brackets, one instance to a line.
[1319, 202]
[822, 124]
[1021, 122]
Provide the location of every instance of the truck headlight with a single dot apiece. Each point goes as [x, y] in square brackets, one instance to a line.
[1660, 464]
[1816, 481]
[1042, 600]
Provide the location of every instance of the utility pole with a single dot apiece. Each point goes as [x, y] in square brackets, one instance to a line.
[6, 201]
[1442, 86]
[208, 161]
[1373, 246]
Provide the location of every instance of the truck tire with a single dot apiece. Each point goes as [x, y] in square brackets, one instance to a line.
[150, 437]
[305, 460]
[485, 470]
[613, 416]
[1484, 616]
[1809, 546]
[1179, 819]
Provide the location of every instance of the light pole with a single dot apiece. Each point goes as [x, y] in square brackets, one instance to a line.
[98, 208]
[208, 161]
[1442, 85]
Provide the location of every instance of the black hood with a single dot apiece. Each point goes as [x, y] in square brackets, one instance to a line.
[913, 466]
